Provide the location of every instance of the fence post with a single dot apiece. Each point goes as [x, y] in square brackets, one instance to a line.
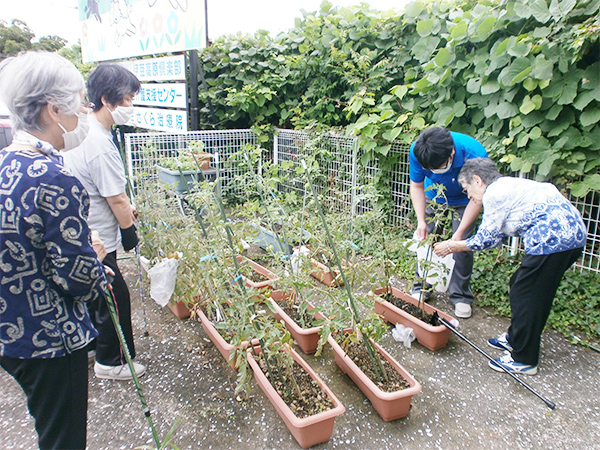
[355, 148]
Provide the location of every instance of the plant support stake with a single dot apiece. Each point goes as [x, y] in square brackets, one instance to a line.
[443, 321]
[108, 295]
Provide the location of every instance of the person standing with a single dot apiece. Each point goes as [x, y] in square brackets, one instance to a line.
[49, 270]
[436, 157]
[98, 165]
[553, 234]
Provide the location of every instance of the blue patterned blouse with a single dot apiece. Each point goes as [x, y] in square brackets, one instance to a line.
[48, 269]
[538, 212]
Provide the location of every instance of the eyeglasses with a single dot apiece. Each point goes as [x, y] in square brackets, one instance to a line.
[464, 191]
[89, 106]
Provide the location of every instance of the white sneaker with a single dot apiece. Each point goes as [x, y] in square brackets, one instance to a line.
[118, 372]
[462, 310]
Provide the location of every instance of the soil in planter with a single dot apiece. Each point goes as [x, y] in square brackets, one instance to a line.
[358, 353]
[292, 309]
[256, 277]
[413, 310]
[311, 399]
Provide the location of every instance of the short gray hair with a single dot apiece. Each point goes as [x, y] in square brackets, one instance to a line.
[484, 168]
[31, 80]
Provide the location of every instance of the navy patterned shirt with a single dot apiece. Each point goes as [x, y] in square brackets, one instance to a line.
[48, 269]
[538, 212]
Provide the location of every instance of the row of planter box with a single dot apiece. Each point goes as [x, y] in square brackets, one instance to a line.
[390, 406]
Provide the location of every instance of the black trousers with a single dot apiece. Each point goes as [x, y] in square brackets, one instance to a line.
[532, 290]
[108, 348]
[57, 394]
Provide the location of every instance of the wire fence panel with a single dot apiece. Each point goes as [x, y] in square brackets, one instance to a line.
[336, 157]
[145, 150]
[341, 179]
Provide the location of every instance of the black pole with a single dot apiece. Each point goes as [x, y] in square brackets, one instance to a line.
[443, 321]
[194, 64]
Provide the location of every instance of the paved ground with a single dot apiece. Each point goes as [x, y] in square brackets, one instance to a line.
[463, 404]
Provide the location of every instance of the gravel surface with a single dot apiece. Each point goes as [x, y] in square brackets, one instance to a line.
[463, 404]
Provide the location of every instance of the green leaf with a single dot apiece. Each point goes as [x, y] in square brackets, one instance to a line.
[589, 183]
[400, 91]
[583, 99]
[506, 110]
[527, 106]
[539, 9]
[560, 8]
[489, 87]
[442, 57]
[590, 116]
[486, 27]
[459, 109]
[473, 85]
[503, 46]
[530, 84]
[418, 123]
[522, 10]
[459, 31]
[517, 71]
[424, 27]
[546, 166]
[542, 68]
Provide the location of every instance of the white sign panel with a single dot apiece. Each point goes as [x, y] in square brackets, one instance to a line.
[164, 95]
[118, 29]
[166, 68]
[169, 120]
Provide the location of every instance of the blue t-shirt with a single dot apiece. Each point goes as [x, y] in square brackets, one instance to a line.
[465, 147]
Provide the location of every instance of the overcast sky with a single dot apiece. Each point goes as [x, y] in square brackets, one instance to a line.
[59, 17]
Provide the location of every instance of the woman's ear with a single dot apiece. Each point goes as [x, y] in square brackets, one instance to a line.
[477, 180]
[50, 114]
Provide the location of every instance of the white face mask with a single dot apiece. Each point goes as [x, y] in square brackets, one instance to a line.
[122, 114]
[77, 136]
[444, 169]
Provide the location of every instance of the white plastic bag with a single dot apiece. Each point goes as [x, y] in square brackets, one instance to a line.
[403, 334]
[162, 280]
[439, 269]
[297, 256]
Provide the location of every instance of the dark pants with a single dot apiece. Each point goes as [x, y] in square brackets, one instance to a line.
[57, 394]
[459, 286]
[108, 347]
[532, 290]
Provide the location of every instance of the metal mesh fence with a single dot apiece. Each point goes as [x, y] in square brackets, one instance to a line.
[144, 151]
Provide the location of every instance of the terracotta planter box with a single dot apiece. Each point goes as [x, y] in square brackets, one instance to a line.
[310, 430]
[180, 310]
[432, 337]
[222, 345]
[322, 273]
[389, 405]
[306, 338]
[268, 284]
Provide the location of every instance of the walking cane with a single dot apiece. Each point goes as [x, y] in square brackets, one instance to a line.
[448, 325]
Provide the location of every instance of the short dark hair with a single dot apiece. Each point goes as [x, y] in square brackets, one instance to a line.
[111, 81]
[484, 168]
[433, 147]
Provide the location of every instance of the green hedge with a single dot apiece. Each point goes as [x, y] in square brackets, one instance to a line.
[521, 76]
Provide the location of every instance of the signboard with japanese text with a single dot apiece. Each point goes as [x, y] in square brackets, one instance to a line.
[164, 95]
[118, 29]
[169, 120]
[157, 69]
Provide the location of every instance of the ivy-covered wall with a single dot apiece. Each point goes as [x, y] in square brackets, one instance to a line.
[522, 76]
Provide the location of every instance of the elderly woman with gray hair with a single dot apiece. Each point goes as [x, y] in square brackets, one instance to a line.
[49, 269]
[553, 236]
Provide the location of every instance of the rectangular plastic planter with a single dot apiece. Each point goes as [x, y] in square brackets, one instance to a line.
[306, 338]
[222, 345]
[310, 430]
[180, 309]
[328, 277]
[389, 405]
[173, 178]
[272, 278]
[432, 337]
